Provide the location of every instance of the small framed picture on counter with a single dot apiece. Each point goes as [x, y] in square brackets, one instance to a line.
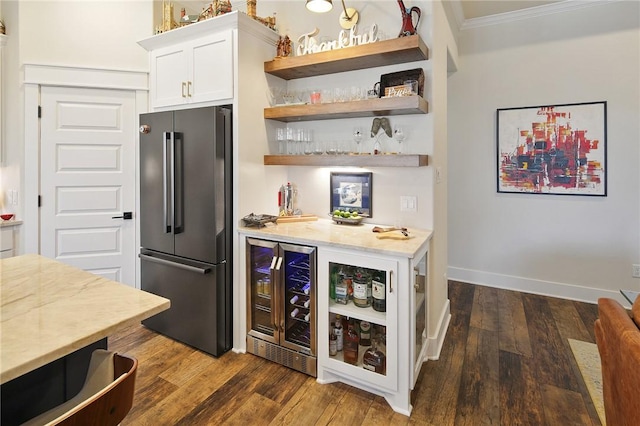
[351, 191]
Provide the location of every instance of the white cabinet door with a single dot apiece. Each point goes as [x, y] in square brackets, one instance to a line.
[211, 74]
[195, 71]
[169, 68]
[334, 366]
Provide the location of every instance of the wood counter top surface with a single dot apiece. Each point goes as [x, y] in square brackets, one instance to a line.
[325, 232]
[50, 309]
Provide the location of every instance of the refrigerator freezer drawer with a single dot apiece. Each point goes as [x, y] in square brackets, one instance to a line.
[200, 313]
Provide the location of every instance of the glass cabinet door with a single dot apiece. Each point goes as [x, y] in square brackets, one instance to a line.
[298, 298]
[369, 336]
[420, 321]
[262, 286]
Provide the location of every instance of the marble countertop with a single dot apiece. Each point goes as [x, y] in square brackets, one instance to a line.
[50, 309]
[326, 232]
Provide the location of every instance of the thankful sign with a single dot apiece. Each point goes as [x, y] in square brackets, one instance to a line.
[307, 43]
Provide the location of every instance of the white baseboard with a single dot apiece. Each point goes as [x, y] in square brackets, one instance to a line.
[434, 343]
[529, 285]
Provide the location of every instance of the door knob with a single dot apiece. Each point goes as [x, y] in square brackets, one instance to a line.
[125, 216]
[145, 128]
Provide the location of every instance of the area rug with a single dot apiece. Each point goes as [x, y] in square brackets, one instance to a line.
[588, 360]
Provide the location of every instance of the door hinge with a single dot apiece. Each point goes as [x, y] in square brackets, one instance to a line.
[39, 111]
[39, 200]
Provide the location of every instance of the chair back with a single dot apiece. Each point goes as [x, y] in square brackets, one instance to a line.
[618, 340]
[102, 401]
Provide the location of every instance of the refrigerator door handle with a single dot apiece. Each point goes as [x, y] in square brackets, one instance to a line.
[166, 195]
[177, 185]
[174, 264]
[279, 264]
[273, 262]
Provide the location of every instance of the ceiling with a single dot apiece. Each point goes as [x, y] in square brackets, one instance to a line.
[473, 9]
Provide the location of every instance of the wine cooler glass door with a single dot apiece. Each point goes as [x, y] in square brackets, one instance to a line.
[262, 313]
[299, 303]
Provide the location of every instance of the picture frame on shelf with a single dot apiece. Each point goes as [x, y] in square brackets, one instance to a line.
[556, 149]
[351, 191]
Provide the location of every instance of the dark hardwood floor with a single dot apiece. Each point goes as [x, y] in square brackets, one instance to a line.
[506, 360]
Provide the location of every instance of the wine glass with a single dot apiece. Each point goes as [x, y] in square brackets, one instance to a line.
[398, 134]
[357, 137]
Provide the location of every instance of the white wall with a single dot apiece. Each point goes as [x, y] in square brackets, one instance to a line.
[79, 33]
[571, 246]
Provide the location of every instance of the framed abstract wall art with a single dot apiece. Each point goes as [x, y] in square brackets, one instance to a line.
[553, 149]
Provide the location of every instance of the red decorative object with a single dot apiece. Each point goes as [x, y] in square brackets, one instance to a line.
[408, 27]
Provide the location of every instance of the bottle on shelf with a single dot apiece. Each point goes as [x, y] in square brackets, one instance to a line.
[295, 313]
[306, 288]
[333, 345]
[294, 299]
[379, 291]
[342, 291]
[337, 330]
[361, 283]
[307, 317]
[365, 333]
[351, 343]
[374, 359]
[334, 276]
[307, 303]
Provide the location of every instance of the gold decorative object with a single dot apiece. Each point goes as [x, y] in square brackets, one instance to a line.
[2, 29]
[269, 21]
[217, 7]
[284, 47]
[167, 18]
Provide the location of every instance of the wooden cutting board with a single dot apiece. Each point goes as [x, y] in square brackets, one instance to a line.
[301, 218]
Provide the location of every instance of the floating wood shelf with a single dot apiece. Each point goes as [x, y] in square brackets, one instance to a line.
[365, 108]
[354, 160]
[380, 53]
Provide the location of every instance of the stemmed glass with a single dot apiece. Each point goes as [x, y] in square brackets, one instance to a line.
[357, 137]
[398, 134]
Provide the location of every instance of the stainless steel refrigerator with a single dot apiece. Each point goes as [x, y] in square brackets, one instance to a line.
[185, 223]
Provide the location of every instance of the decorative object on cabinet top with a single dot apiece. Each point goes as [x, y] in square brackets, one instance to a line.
[228, 21]
[269, 21]
[381, 53]
[398, 105]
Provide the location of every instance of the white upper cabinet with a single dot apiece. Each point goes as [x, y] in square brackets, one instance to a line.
[195, 71]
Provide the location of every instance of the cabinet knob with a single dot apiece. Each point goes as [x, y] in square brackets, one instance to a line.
[145, 128]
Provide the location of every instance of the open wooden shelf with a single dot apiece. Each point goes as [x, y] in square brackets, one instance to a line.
[380, 53]
[364, 108]
[354, 160]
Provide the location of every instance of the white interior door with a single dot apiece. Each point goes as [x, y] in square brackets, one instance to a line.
[88, 161]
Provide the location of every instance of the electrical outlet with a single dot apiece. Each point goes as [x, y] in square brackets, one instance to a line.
[636, 270]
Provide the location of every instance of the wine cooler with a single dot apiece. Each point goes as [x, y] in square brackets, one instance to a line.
[281, 298]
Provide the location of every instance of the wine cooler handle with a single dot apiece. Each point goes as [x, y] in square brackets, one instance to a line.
[274, 310]
[416, 272]
[279, 264]
[273, 262]
[391, 281]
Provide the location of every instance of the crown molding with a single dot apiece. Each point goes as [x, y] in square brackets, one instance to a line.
[518, 15]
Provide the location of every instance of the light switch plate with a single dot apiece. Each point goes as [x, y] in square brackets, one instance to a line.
[408, 203]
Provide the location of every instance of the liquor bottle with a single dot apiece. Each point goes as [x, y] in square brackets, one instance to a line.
[333, 345]
[332, 282]
[374, 359]
[342, 292]
[365, 333]
[351, 346]
[379, 291]
[360, 282]
[337, 330]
